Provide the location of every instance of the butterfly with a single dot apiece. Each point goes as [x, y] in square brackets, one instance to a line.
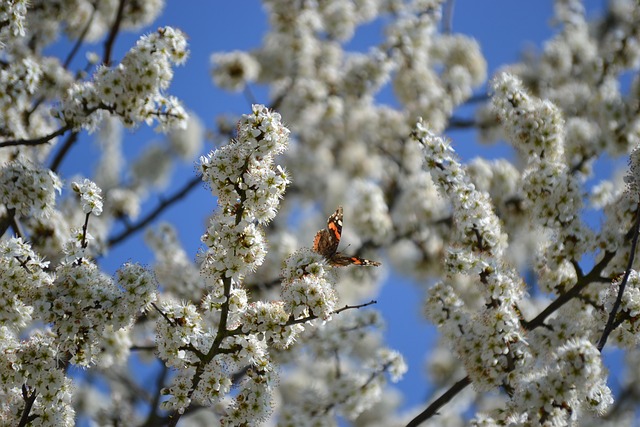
[327, 240]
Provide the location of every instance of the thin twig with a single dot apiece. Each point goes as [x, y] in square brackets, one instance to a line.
[118, 238]
[143, 348]
[459, 123]
[85, 227]
[153, 419]
[248, 94]
[340, 310]
[16, 226]
[616, 305]
[113, 32]
[57, 160]
[35, 141]
[162, 313]
[80, 40]
[447, 17]
[439, 402]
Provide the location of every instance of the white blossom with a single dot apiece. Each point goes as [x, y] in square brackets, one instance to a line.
[90, 196]
[133, 90]
[28, 189]
[518, 274]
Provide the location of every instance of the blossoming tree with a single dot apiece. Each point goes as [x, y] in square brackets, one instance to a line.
[269, 325]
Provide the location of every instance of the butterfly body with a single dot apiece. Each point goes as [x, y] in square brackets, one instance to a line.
[327, 240]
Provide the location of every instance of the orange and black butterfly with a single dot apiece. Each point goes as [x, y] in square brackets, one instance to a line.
[327, 240]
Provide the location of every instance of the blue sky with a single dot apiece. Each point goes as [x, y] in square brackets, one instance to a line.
[502, 27]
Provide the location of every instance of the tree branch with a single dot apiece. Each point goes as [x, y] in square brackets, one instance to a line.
[113, 32]
[593, 276]
[616, 305]
[80, 40]
[439, 402]
[35, 141]
[164, 204]
[29, 400]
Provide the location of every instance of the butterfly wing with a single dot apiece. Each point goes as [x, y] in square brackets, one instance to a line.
[341, 260]
[327, 240]
[323, 245]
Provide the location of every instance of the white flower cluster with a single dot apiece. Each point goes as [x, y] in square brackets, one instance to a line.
[88, 318]
[12, 14]
[572, 381]
[28, 189]
[253, 404]
[31, 372]
[86, 19]
[28, 365]
[19, 81]
[133, 90]
[86, 307]
[490, 342]
[234, 70]
[536, 127]
[373, 220]
[306, 289]
[553, 381]
[243, 170]
[249, 187]
[477, 226]
[579, 70]
[90, 196]
[552, 193]
[23, 275]
[270, 319]
[349, 385]
[180, 326]
[632, 178]
[420, 52]
[393, 362]
[176, 273]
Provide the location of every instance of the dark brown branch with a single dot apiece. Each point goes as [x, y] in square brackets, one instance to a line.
[164, 204]
[16, 226]
[616, 305]
[85, 227]
[439, 402]
[80, 40]
[113, 32]
[153, 419]
[35, 141]
[57, 160]
[29, 400]
[593, 276]
[458, 123]
[6, 221]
